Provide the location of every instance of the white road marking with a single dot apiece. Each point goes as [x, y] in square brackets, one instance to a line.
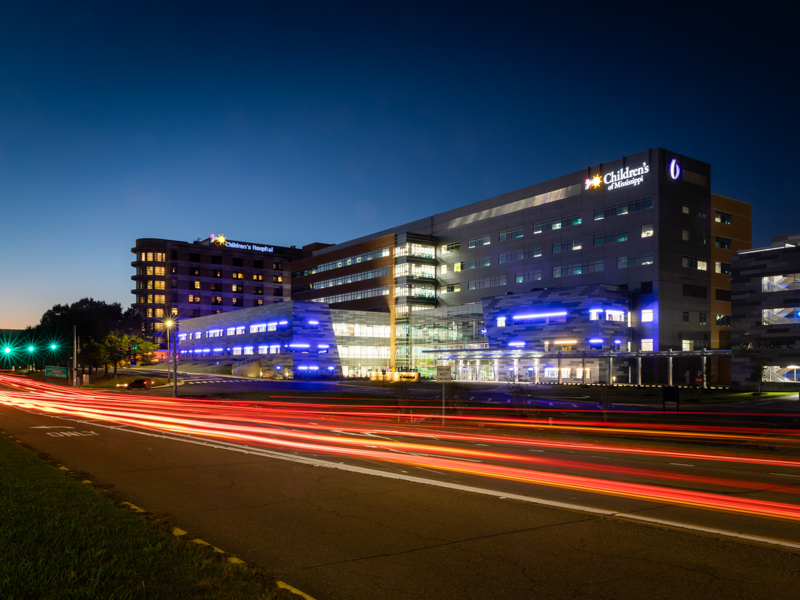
[316, 462]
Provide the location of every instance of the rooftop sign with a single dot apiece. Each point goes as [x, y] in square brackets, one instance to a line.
[221, 240]
[619, 178]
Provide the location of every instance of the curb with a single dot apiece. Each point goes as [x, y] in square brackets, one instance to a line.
[179, 533]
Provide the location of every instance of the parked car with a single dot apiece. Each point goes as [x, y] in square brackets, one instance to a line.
[140, 384]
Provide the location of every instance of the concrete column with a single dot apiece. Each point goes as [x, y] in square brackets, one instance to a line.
[610, 368]
[559, 366]
[639, 367]
[536, 370]
[583, 370]
[516, 370]
[703, 367]
[669, 365]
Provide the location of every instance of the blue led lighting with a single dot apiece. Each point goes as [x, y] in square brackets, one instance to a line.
[617, 341]
[303, 368]
[299, 345]
[323, 346]
[516, 344]
[314, 368]
[277, 367]
[596, 341]
[510, 368]
[283, 322]
[313, 322]
[530, 369]
[219, 349]
[330, 368]
[561, 313]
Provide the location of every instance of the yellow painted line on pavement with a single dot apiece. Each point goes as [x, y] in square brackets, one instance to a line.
[294, 590]
[204, 543]
[177, 531]
[133, 507]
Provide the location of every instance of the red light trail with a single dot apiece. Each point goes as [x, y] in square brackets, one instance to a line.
[276, 425]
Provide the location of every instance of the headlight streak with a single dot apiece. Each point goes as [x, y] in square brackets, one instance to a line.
[242, 423]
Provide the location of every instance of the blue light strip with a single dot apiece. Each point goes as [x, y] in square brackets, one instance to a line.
[562, 313]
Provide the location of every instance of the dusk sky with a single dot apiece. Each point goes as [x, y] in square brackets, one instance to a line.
[288, 123]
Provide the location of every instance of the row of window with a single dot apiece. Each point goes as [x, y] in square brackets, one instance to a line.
[623, 209]
[345, 279]
[195, 272]
[701, 265]
[351, 260]
[216, 259]
[780, 283]
[359, 295]
[150, 256]
[235, 301]
[553, 225]
[780, 316]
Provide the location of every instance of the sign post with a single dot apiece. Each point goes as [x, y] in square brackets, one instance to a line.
[444, 374]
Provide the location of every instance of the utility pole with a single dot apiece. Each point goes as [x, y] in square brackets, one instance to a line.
[74, 355]
[175, 361]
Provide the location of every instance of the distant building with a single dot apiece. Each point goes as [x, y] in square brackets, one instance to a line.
[211, 276]
[766, 312]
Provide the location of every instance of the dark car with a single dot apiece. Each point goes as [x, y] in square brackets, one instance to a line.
[140, 384]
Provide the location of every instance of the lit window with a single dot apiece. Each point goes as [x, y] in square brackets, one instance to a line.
[501, 321]
[647, 231]
[443, 269]
[647, 316]
[723, 217]
[685, 235]
[647, 345]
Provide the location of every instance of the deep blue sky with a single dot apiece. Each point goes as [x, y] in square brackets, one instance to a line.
[293, 122]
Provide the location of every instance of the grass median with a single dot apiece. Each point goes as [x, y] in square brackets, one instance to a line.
[60, 538]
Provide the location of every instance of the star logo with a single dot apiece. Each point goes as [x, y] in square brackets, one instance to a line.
[592, 182]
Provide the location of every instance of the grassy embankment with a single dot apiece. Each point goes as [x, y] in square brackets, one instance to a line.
[60, 538]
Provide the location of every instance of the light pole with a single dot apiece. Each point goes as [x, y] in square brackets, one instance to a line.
[170, 323]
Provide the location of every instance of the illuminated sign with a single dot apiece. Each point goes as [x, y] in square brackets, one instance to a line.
[674, 168]
[220, 240]
[625, 177]
[619, 178]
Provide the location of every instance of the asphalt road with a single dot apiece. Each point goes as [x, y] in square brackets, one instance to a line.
[355, 527]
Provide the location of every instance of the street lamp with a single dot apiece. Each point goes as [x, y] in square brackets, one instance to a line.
[169, 324]
[31, 357]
